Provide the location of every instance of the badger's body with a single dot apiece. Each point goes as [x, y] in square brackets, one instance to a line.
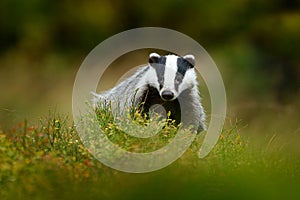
[169, 81]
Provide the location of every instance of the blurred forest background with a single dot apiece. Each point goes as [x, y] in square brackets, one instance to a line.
[255, 44]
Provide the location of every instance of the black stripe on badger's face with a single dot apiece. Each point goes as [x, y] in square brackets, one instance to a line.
[182, 67]
[159, 66]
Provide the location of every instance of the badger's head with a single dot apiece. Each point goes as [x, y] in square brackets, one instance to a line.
[171, 74]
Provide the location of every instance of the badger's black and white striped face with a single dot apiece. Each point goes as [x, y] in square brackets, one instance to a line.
[172, 74]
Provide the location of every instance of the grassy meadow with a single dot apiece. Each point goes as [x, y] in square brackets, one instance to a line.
[42, 156]
[255, 45]
[46, 160]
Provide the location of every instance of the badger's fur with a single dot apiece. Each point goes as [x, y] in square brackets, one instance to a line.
[169, 81]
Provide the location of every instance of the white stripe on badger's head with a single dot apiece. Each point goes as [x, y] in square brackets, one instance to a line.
[174, 74]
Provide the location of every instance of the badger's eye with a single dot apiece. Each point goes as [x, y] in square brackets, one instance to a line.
[177, 80]
[160, 86]
[161, 82]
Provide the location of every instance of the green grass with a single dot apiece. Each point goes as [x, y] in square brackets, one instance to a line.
[48, 161]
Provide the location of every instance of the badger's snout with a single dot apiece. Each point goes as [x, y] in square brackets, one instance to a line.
[167, 95]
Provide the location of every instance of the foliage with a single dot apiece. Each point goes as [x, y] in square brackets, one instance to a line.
[265, 34]
[255, 45]
[48, 161]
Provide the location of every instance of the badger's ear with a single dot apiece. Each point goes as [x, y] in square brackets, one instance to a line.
[153, 58]
[190, 58]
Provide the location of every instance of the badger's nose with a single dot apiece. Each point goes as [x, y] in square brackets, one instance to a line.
[167, 95]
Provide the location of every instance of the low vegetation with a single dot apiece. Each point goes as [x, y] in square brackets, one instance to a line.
[47, 160]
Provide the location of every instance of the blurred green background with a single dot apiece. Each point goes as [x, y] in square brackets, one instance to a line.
[254, 43]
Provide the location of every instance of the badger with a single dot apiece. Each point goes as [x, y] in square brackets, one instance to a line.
[169, 81]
